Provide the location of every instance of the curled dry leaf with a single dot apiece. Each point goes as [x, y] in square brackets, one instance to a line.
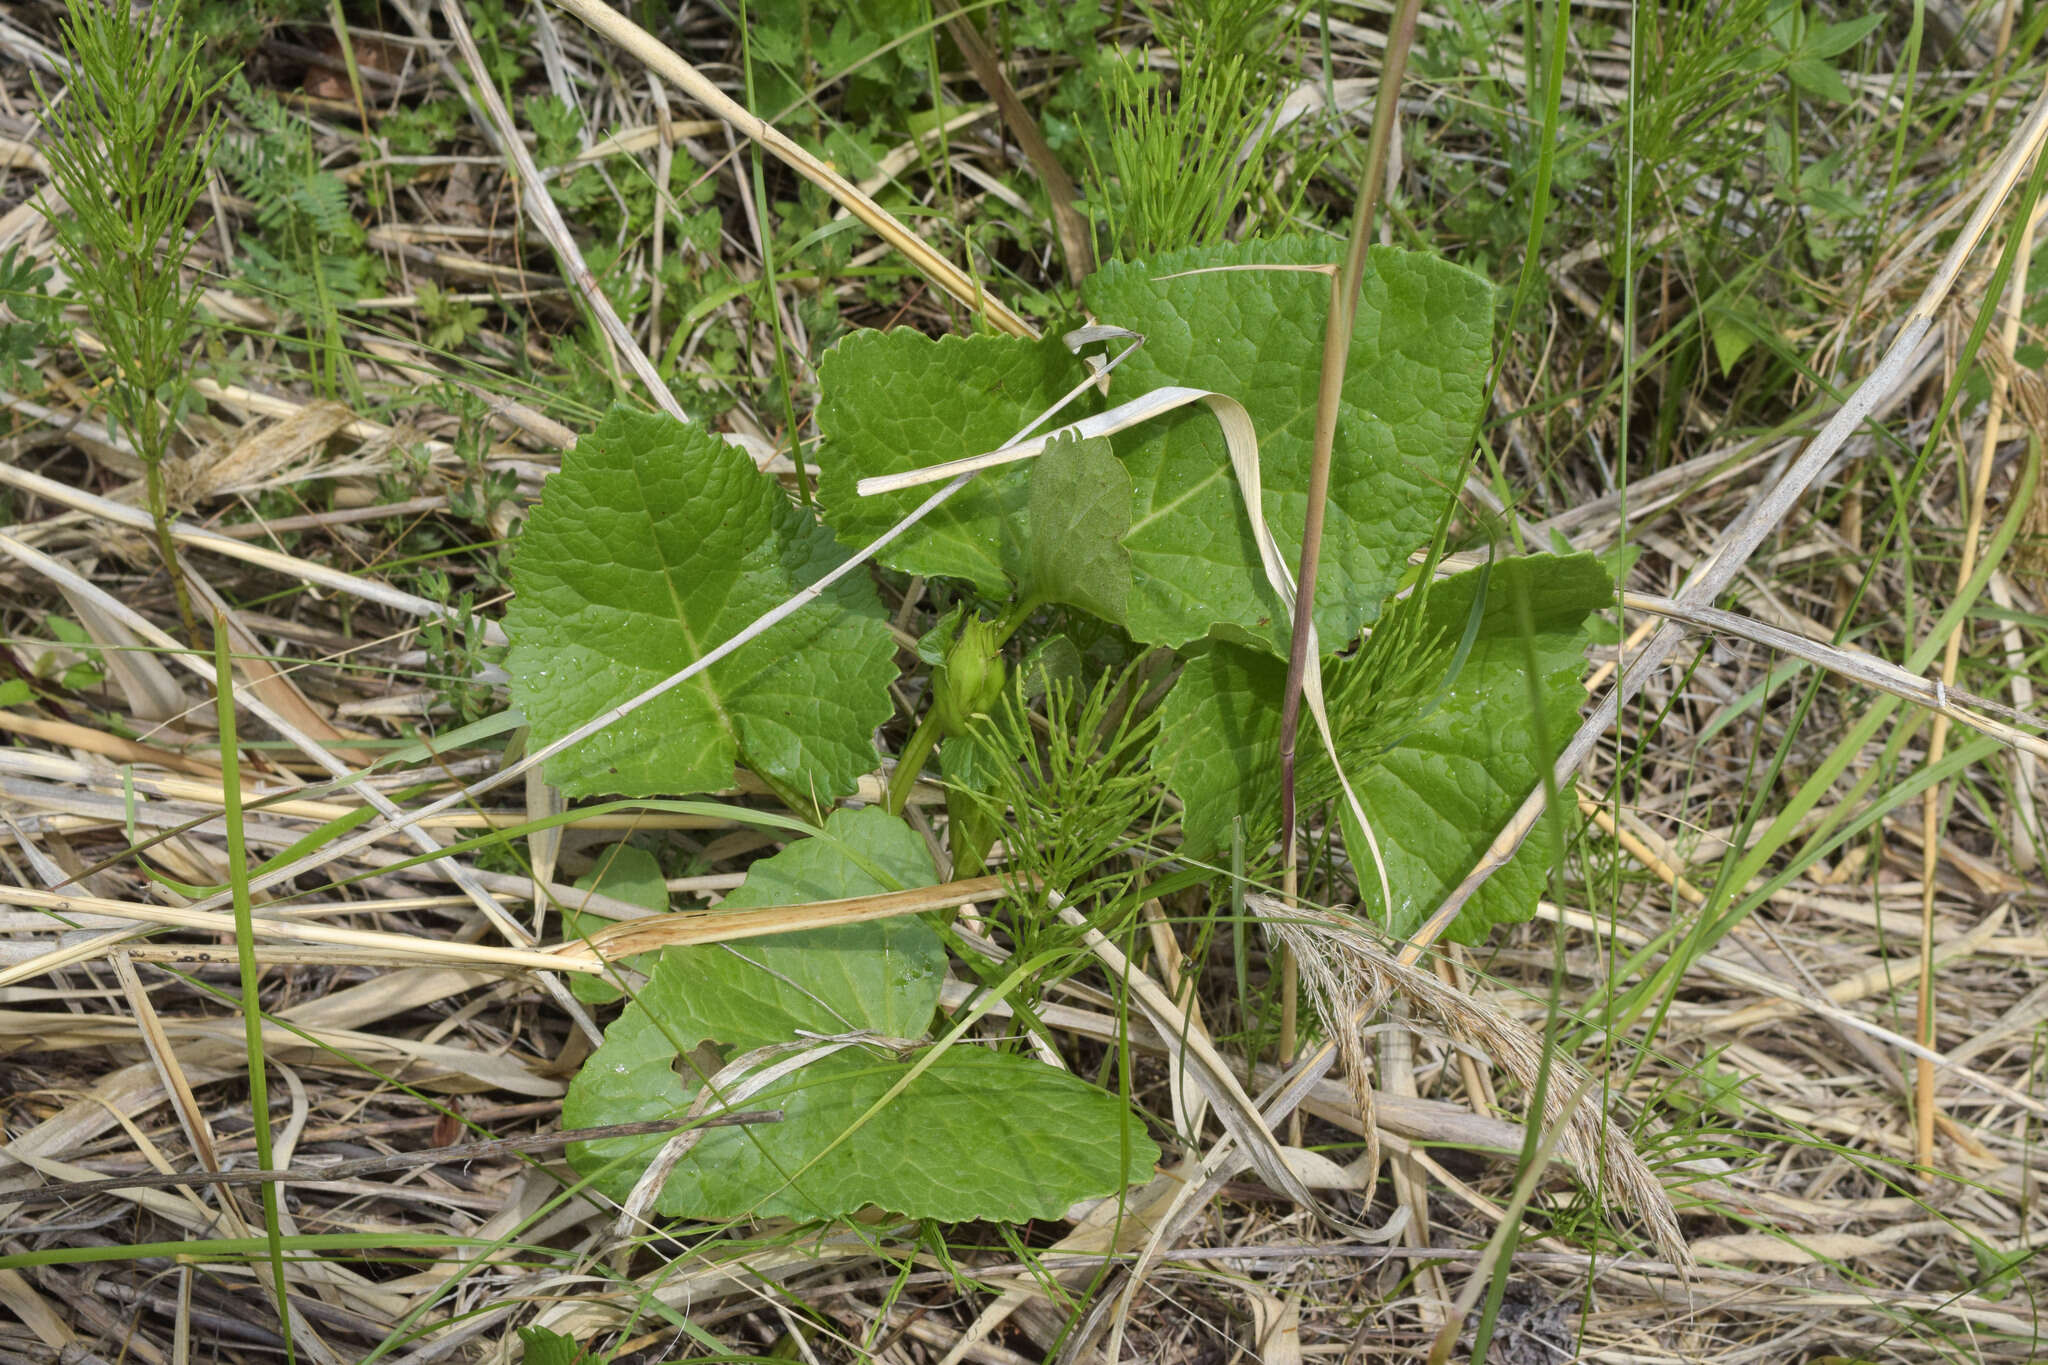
[257, 452]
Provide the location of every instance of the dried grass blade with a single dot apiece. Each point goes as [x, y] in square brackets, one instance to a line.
[1191, 1050]
[182, 533]
[533, 193]
[463, 876]
[632, 937]
[1351, 974]
[1741, 539]
[272, 684]
[667, 64]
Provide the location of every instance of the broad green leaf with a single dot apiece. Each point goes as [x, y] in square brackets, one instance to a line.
[630, 874]
[1732, 336]
[545, 1347]
[1053, 661]
[655, 543]
[898, 400]
[1218, 746]
[1818, 78]
[1786, 22]
[860, 851]
[1080, 500]
[1832, 200]
[624, 873]
[1454, 782]
[978, 1135]
[1413, 390]
[880, 977]
[1451, 776]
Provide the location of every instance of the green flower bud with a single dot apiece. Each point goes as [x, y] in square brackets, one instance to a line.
[970, 679]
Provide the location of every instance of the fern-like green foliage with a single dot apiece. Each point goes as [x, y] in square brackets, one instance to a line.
[1381, 692]
[1210, 29]
[32, 314]
[274, 165]
[1191, 153]
[1068, 801]
[307, 259]
[129, 145]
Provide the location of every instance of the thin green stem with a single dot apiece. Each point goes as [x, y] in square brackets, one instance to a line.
[926, 737]
[160, 515]
[245, 955]
[759, 191]
[1014, 619]
[911, 761]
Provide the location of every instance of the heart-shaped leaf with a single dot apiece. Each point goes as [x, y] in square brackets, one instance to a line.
[975, 1135]
[653, 544]
[1413, 390]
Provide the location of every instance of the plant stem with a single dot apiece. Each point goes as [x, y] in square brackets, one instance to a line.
[911, 761]
[1336, 354]
[1925, 1112]
[919, 746]
[245, 954]
[160, 515]
[1076, 240]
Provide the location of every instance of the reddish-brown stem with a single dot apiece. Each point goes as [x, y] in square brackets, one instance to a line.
[1336, 352]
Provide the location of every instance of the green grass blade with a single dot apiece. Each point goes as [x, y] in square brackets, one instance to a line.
[245, 954]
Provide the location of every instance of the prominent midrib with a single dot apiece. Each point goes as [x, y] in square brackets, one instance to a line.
[682, 619]
[1163, 509]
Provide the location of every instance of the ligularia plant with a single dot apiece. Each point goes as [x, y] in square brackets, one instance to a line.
[1166, 522]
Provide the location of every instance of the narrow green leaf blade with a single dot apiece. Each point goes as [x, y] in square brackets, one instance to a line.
[653, 544]
[1838, 38]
